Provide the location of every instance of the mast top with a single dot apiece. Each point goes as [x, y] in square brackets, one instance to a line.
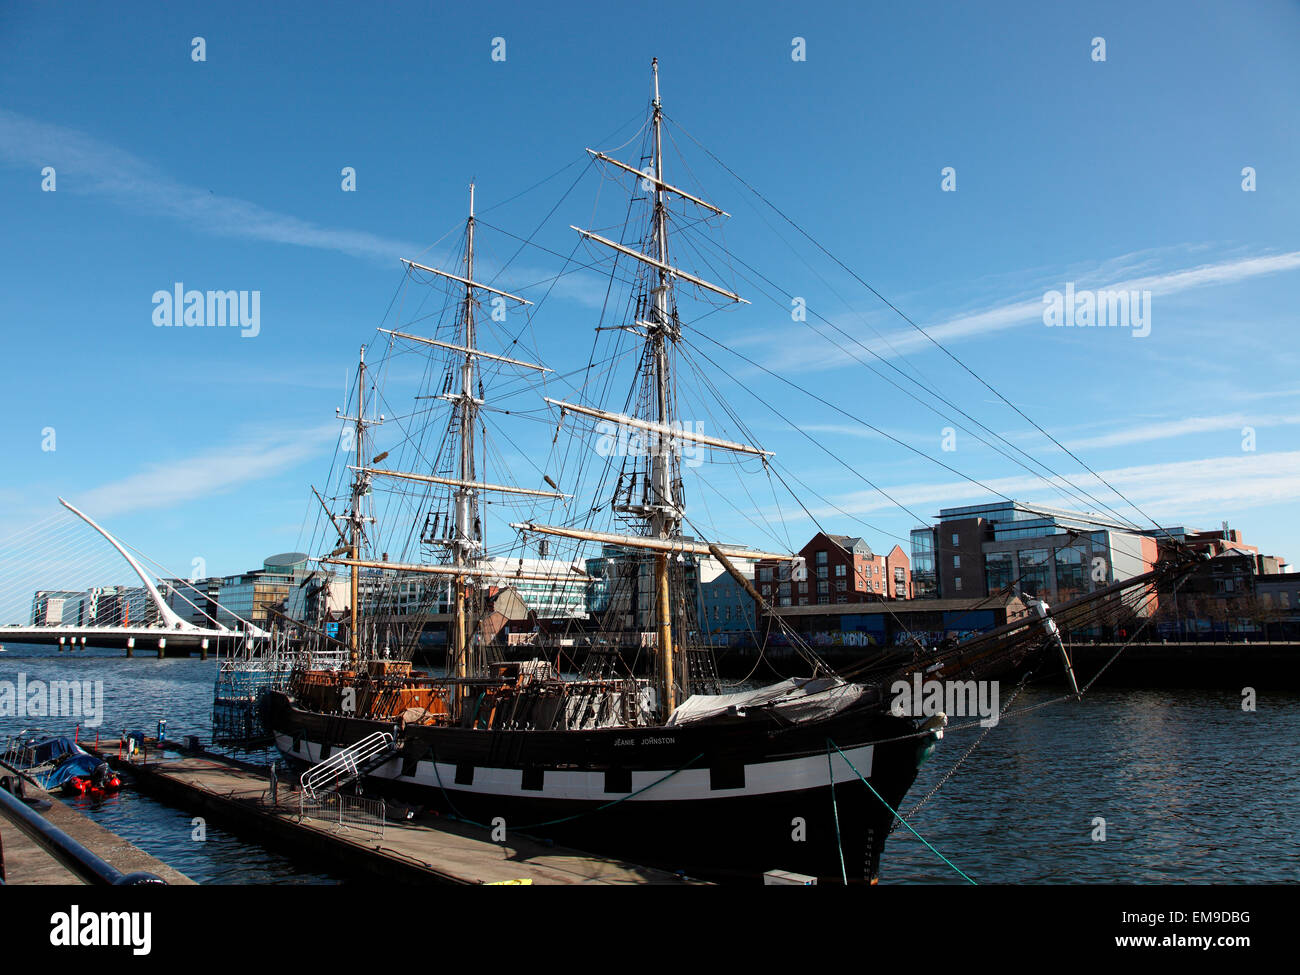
[654, 68]
[471, 201]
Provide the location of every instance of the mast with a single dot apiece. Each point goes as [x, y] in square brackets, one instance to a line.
[353, 643]
[465, 495]
[356, 520]
[664, 522]
[465, 525]
[662, 514]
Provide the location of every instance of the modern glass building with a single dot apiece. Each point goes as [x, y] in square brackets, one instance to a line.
[1010, 547]
[622, 585]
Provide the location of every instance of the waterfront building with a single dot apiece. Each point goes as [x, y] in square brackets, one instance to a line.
[727, 611]
[927, 622]
[563, 594]
[621, 590]
[1009, 547]
[836, 569]
[1235, 594]
[193, 600]
[1278, 609]
[57, 607]
[138, 607]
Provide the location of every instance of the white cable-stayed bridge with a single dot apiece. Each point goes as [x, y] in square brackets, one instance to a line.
[54, 591]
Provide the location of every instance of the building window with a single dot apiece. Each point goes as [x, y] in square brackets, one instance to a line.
[956, 561]
[1071, 573]
[821, 558]
[841, 570]
[956, 539]
[998, 571]
[956, 583]
[803, 587]
[765, 573]
[1034, 569]
[840, 585]
[823, 587]
[841, 599]
[823, 600]
[803, 601]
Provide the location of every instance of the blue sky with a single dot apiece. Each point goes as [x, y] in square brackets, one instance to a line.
[225, 174]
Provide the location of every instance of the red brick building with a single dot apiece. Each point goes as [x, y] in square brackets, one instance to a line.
[836, 569]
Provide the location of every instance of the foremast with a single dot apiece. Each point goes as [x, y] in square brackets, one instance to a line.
[356, 519]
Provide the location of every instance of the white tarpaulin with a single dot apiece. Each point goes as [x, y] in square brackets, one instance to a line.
[796, 700]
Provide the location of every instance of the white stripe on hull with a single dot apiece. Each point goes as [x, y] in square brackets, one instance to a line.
[761, 778]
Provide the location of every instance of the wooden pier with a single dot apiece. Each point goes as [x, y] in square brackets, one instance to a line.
[27, 863]
[424, 850]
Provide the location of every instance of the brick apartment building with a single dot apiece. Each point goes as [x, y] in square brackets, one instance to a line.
[836, 569]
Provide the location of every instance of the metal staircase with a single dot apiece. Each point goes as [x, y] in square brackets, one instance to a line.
[348, 765]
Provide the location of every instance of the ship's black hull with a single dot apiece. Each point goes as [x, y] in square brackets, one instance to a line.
[722, 801]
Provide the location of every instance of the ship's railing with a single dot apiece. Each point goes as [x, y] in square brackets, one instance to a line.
[346, 764]
[240, 685]
[20, 749]
[322, 659]
[344, 812]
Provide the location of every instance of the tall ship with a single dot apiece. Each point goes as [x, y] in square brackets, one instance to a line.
[614, 734]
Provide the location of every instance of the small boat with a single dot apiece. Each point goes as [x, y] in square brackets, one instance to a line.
[57, 763]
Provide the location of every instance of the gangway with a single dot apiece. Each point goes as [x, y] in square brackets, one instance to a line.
[349, 764]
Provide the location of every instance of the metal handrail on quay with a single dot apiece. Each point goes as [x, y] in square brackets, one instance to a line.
[72, 855]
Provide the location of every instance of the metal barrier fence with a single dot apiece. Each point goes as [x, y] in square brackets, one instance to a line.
[344, 812]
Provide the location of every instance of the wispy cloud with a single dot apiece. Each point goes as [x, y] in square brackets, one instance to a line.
[1146, 433]
[1210, 487]
[87, 165]
[216, 470]
[816, 356]
[92, 167]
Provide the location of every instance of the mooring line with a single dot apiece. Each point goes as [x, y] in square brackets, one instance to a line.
[896, 816]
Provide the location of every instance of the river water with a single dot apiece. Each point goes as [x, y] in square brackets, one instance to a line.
[1184, 785]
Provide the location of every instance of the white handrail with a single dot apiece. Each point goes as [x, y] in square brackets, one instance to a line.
[345, 762]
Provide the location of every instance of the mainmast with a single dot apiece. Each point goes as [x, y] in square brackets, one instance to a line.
[664, 517]
[464, 544]
[663, 511]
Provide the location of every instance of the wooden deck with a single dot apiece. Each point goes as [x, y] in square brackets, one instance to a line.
[27, 863]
